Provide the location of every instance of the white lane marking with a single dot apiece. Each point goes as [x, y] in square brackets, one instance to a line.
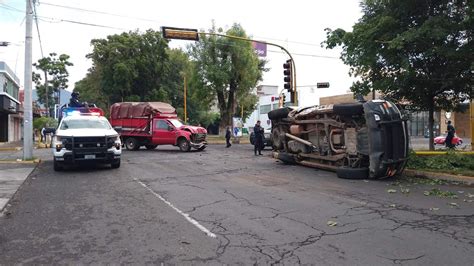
[191, 220]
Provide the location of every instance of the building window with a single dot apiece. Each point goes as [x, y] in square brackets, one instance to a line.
[275, 106]
[418, 125]
[264, 109]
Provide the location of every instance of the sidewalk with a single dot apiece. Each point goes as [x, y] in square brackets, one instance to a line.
[14, 171]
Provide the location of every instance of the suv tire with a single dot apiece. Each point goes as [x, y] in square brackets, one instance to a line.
[345, 172]
[348, 109]
[279, 113]
[286, 158]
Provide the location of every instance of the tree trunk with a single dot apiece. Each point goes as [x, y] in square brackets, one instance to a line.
[431, 123]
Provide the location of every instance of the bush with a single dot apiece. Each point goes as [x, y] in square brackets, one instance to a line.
[451, 161]
[39, 123]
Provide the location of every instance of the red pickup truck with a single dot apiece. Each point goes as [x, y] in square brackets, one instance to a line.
[151, 124]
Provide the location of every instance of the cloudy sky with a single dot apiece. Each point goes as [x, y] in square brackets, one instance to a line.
[297, 25]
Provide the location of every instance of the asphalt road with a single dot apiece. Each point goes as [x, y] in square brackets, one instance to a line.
[227, 206]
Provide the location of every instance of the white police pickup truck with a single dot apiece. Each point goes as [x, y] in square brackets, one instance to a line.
[85, 135]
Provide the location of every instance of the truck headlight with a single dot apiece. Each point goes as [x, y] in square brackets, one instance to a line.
[58, 143]
[117, 142]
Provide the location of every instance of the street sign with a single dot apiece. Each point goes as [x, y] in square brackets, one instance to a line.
[180, 33]
[322, 85]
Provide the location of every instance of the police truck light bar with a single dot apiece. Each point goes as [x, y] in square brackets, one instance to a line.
[180, 33]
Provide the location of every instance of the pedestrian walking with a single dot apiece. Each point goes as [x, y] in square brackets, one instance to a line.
[228, 134]
[258, 134]
[43, 135]
[449, 138]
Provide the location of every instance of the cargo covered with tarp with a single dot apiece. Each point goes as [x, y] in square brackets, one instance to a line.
[137, 116]
[141, 110]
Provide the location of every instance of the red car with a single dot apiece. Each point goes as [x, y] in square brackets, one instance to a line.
[441, 139]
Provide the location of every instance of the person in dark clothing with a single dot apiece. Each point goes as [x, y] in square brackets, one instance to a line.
[228, 134]
[74, 101]
[258, 143]
[449, 138]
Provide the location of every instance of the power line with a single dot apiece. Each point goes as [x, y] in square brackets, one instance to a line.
[310, 55]
[97, 12]
[37, 28]
[59, 20]
[151, 20]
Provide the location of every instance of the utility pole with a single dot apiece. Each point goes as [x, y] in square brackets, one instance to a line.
[185, 89]
[27, 103]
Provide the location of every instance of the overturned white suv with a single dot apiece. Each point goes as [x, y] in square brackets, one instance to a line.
[85, 137]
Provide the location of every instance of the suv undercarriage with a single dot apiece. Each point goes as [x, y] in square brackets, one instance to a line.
[357, 140]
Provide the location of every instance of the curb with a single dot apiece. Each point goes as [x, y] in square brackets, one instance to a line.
[18, 161]
[469, 180]
[11, 149]
[442, 152]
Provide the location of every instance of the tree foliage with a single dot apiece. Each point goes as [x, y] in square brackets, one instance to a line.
[419, 51]
[228, 70]
[53, 76]
[131, 66]
[136, 66]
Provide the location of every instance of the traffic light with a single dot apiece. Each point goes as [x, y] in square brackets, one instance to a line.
[287, 72]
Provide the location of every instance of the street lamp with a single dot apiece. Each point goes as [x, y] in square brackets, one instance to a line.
[193, 35]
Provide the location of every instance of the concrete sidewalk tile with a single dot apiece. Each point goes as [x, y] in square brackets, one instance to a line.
[10, 181]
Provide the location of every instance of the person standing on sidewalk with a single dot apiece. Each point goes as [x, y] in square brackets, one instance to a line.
[449, 138]
[258, 133]
[228, 134]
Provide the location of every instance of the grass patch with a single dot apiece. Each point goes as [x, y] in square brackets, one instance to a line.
[451, 163]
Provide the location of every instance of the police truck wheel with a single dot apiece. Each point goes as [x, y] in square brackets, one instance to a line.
[151, 147]
[131, 144]
[115, 164]
[57, 166]
[184, 145]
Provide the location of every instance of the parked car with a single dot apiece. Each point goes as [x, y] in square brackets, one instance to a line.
[267, 138]
[441, 139]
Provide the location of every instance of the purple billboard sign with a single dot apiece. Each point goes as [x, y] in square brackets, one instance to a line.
[261, 48]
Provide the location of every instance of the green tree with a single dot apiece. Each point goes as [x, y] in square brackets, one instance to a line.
[419, 51]
[90, 90]
[140, 67]
[132, 66]
[52, 78]
[228, 69]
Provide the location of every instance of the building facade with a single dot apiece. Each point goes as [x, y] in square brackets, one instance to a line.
[10, 116]
[268, 100]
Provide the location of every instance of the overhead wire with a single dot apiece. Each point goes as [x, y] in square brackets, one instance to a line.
[59, 20]
[97, 12]
[37, 27]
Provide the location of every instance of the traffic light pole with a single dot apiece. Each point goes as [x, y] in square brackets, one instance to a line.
[293, 68]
